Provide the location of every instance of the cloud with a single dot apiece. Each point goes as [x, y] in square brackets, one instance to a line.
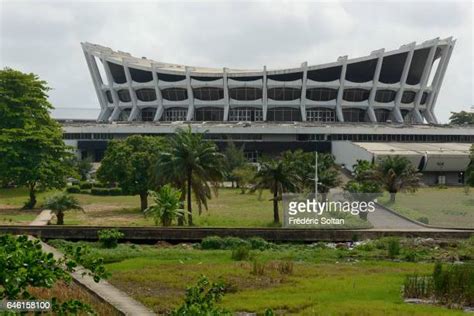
[44, 37]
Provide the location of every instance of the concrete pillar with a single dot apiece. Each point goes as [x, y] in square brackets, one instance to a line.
[159, 97]
[264, 94]
[97, 81]
[375, 82]
[304, 66]
[406, 68]
[226, 95]
[190, 115]
[115, 98]
[133, 96]
[340, 93]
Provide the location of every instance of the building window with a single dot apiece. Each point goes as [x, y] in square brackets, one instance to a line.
[382, 115]
[208, 93]
[245, 114]
[408, 97]
[245, 93]
[251, 156]
[321, 94]
[355, 95]
[283, 114]
[284, 94]
[320, 115]
[148, 114]
[461, 177]
[385, 96]
[353, 115]
[424, 97]
[109, 96]
[124, 115]
[124, 95]
[174, 94]
[174, 114]
[209, 114]
[146, 95]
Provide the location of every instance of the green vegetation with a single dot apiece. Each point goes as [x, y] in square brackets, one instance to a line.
[461, 118]
[32, 150]
[109, 237]
[470, 170]
[287, 278]
[60, 203]
[167, 205]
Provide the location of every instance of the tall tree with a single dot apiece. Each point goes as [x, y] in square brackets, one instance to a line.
[130, 163]
[462, 118]
[278, 177]
[363, 181]
[32, 151]
[396, 174]
[234, 158]
[190, 161]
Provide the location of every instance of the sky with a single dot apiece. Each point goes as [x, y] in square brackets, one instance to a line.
[44, 37]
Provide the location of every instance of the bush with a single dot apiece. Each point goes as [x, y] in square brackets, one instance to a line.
[85, 185]
[393, 247]
[85, 192]
[100, 185]
[410, 256]
[259, 243]
[241, 253]
[109, 237]
[423, 220]
[106, 191]
[234, 242]
[212, 242]
[73, 189]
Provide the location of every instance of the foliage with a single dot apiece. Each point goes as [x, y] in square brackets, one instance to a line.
[241, 253]
[85, 185]
[60, 203]
[285, 267]
[73, 189]
[258, 267]
[363, 181]
[83, 167]
[106, 191]
[234, 158]
[193, 164]
[32, 150]
[216, 242]
[244, 175]
[461, 118]
[259, 243]
[201, 299]
[423, 220]
[470, 170]
[212, 242]
[393, 247]
[129, 163]
[167, 205]
[395, 174]
[109, 237]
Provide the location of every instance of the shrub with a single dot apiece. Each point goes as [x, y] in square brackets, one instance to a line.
[285, 267]
[85, 185]
[410, 256]
[167, 206]
[393, 247]
[99, 185]
[106, 191]
[109, 237]
[416, 286]
[234, 242]
[258, 267]
[241, 253]
[454, 284]
[200, 299]
[85, 192]
[73, 189]
[423, 220]
[212, 242]
[259, 243]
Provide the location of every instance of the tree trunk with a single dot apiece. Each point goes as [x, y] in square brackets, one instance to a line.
[183, 197]
[276, 216]
[188, 196]
[32, 201]
[60, 218]
[392, 197]
[143, 200]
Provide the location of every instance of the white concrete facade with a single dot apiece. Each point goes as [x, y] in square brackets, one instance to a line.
[385, 86]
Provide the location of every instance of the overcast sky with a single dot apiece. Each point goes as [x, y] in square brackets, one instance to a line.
[44, 37]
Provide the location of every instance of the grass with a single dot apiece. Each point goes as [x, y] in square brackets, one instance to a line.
[450, 207]
[323, 280]
[228, 209]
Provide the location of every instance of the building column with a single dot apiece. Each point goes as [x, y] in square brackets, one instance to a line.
[133, 96]
[226, 95]
[304, 66]
[97, 81]
[190, 115]
[424, 80]
[375, 82]
[406, 68]
[159, 97]
[116, 112]
[438, 79]
[340, 93]
[264, 94]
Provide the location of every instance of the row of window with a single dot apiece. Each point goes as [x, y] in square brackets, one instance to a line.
[304, 137]
[279, 94]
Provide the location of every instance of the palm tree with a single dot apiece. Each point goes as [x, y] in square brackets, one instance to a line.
[395, 174]
[277, 176]
[193, 164]
[167, 205]
[328, 175]
[61, 203]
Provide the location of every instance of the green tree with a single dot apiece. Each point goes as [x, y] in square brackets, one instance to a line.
[60, 203]
[193, 164]
[278, 177]
[83, 167]
[234, 158]
[130, 163]
[328, 175]
[32, 151]
[244, 176]
[167, 205]
[462, 118]
[363, 181]
[396, 174]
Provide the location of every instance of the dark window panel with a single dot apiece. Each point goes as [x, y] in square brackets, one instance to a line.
[139, 75]
[325, 74]
[208, 93]
[245, 93]
[174, 94]
[321, 94]
[284, 94]
[146, 95]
